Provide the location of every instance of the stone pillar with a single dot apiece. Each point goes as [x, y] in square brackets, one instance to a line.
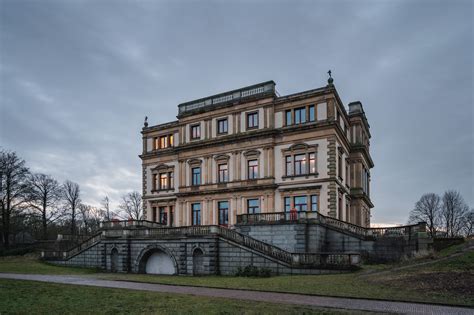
[186, 214]
[215, 220]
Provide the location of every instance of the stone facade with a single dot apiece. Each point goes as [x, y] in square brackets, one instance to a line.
[250, 150]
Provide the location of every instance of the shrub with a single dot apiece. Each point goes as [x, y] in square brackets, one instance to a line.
[252, 271]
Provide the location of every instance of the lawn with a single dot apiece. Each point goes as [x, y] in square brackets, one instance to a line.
[31, 264]
[448, 280]
[26, 297]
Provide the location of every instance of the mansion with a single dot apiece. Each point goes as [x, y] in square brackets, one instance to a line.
[250, 151]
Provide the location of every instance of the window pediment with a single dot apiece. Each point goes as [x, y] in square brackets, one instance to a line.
[222, 157]
[194, 162]
[162, 168]
[251, 153]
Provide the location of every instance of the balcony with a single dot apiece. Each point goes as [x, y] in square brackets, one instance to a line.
[261, 89]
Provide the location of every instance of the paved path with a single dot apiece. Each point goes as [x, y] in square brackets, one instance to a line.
[300, 299]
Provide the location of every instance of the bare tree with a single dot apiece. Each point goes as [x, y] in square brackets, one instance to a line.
[44, 195]
[106, 208]
[132, 205]
[453, 211]
[13, 189]
[428, 209]
[71, 195]
[469, 223]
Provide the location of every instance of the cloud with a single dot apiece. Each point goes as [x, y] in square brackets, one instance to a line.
[77, 78]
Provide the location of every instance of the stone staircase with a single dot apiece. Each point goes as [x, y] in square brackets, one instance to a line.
[137, 232]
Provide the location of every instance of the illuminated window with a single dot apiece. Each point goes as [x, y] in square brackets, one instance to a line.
[163, 142]
[312, 163]
[163, 181]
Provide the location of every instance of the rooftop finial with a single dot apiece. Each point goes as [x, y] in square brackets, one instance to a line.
[330, 80]
[145, 123]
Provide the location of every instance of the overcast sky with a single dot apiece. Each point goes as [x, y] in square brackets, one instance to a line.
[78, 77]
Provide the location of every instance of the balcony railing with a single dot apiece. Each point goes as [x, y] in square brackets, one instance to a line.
[303, 260]
[116, 224]
[282, 217]
[231, 96]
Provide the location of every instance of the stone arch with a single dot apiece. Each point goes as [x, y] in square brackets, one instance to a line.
[114, 260]
[198, 262]
[156, 259]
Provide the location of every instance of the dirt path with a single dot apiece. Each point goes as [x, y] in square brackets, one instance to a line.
[273, 297]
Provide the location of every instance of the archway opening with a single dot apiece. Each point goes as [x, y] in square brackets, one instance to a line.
[114, 260]
[157, 262]
[198, 262]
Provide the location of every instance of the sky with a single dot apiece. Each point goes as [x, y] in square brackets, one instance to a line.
[78, 77]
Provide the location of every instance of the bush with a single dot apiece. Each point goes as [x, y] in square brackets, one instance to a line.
[252, 271]
[17, 251]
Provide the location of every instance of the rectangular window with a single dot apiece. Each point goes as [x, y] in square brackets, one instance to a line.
[300, 164]
[252, 169]
[339, 166]
[253, 206]
[171, 180]
[196, 132]
[153, 214]
[163, 142]
[288, 117]
[171, 140]
[312, 116]
[252, 120]
[155, 181]
[163, 215]
[156, 144]
[314, 202]
[289, 165]
[196, 176]
[223, 207]
[223, 173]
[300, 203]
[171, 215]
[222, 126]
[287, 204]
[300, 115]
[312, 163]
[196, 210]
[163, 181]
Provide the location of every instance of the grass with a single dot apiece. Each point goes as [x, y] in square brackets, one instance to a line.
[31, 264]
[447, 280]
[26, 297]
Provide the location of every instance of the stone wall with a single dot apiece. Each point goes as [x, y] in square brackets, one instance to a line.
[219, 256]
[316, 238]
